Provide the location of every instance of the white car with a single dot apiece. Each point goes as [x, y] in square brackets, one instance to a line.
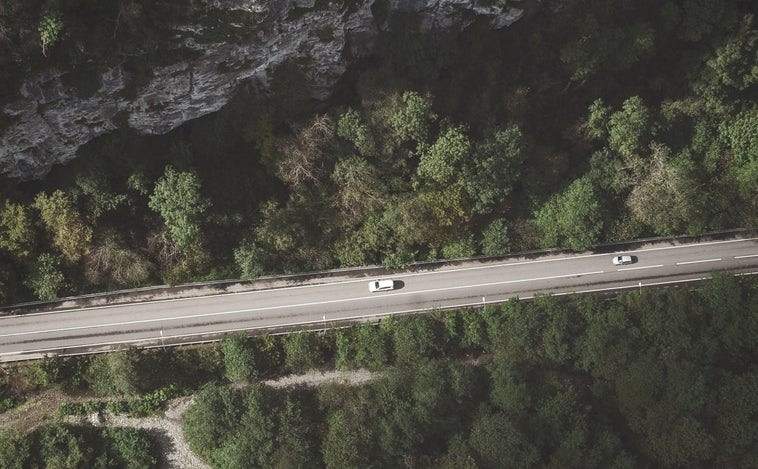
[622, 260]
[381, 285]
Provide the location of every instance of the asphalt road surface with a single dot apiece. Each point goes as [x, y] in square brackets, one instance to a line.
[329, 304]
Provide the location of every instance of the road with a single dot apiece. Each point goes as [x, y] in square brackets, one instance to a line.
[327, 304]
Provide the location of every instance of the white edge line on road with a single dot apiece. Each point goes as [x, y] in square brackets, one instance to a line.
[698, 262]
[492, 266]
[745, 257]
[352, 318]
[643, 267]
[300, 305]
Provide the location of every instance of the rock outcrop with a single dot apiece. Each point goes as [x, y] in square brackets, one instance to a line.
[52, 120]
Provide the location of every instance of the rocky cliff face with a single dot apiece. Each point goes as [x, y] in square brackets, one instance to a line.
[53, 119]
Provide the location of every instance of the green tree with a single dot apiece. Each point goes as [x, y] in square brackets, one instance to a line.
[603, 42]
[498, 443]
[96, 189]
[630, 128]
[734, 62]
[346, 442]
[416, 337]
[134, 448]
[352, 128]
[250, 259]
[599, 119]
[61, 448]
[462, 247]
[495, 240]
[16, 233]
[303, 351]
[413, 119]
[371, 347]
[295, 437]
[738, 135]
[70, 232]
[358, 186]
[177, 198]
[239, 357]
[495, 166]
[458, 455]
[209, 421]
[117, 373]
[441, 162]
[46, 278]
[571, 219]
[15, 449]
[49, 29]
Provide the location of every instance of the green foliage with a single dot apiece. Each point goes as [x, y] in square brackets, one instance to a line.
[372, 348]
[416, 337]
[250, 259]
[61, 445]
[152, 402]
[345, 442]
[495, 240]
[133, 448]
[441, 162]
[213, 415]
[571, 219]
[734, 63]
[57, 372]
[239, 357]
[413, 119]
[69, 231]
[116, 373]
[574, 382]
[460, 248]
[599, 119]
[303, 351]
[81, 409]
[15, 449]
[95, 187]
[358, 186]
[495, 167]
[49, 29]
[629, 129]
[352, 128]
[46, 278]
[498, 443]
[16, 233]
[177, 198]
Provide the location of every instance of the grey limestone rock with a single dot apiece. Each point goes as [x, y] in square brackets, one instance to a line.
[51, 120]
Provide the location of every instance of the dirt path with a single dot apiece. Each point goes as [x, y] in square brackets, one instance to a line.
[167, 428]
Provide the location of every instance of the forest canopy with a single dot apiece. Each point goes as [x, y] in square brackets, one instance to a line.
[656, 379]
[596, 123]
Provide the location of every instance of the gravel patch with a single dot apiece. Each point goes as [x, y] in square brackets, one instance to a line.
[315, 378]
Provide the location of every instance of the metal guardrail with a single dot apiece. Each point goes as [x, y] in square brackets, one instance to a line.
[266, 282]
